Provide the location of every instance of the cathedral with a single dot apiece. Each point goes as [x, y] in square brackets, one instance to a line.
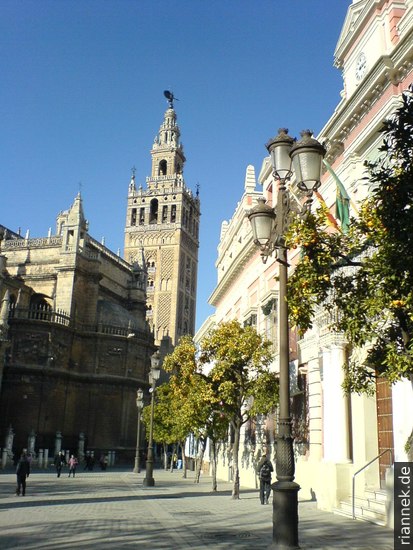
[78, 324]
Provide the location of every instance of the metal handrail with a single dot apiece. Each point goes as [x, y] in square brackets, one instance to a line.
[353, 494]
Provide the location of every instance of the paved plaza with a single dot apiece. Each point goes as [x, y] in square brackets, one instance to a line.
[112, 510]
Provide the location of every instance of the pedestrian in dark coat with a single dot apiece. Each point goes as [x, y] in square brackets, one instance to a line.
[59, 462]
[22, 472]
[265, 469]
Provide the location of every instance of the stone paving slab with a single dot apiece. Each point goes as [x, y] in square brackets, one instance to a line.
[111, 510]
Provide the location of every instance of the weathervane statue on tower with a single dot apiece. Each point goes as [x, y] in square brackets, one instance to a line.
[170, 97]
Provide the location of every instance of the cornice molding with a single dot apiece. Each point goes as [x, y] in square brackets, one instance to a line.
[236, 267]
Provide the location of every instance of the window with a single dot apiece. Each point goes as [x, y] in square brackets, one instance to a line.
[153, 214]
[141, 216]
[163, 165]
[251, 321]
[164, 214]
[133, 217]
[173, 213]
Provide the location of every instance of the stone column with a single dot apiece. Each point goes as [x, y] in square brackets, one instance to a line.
[315, 406]
[8, 445]
[31, 443]
[81, 447]
[46, 458]
[336, 406]
[4, 458]
[58, 443]
[40, 458]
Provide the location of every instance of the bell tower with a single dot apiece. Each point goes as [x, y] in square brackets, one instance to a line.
[162, 220]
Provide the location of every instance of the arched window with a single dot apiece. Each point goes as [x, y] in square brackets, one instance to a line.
[173, 213]
[133, 217]
[141, 216]
[153, 215]
[162, 168]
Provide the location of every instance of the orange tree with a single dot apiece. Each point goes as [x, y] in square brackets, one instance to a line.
[238, 360]
[195, 402]
[366, 275]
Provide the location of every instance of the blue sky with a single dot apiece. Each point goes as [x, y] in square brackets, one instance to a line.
[82, 99]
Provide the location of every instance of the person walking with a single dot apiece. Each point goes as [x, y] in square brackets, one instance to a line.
[265, 469]
[72, 465]
[22, 472]
[59, 462]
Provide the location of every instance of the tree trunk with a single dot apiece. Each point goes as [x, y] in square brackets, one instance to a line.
[165, 457]
[184, 473]
[199, 460]
[235, 458]
[171, 469]
[214, 465]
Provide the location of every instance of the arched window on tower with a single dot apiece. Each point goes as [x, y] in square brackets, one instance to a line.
[133, 217]
[164, 213]
[141, 216]
[153, 215]
[173, 213]
[163, 165]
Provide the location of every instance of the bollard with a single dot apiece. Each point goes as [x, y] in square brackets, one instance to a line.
[40, 459]
[46, 459]
[4, 458]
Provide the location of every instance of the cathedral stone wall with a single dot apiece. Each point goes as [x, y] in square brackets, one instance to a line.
[74, 340]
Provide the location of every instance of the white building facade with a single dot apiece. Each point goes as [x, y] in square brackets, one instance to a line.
[336, 435]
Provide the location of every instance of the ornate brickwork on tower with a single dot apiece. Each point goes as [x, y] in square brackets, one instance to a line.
[163, 222]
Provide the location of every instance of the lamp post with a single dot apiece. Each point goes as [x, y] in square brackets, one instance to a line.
[154, 374]
[269, 226]
[139, 405]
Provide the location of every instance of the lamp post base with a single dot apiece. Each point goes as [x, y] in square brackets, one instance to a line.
[148, 482]
[285, 515]
[137, 468]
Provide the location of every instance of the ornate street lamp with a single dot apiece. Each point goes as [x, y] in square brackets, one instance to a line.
[139, 406]
[154, 374]
[269, 226]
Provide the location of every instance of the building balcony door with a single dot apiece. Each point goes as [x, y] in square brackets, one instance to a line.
[384, 425]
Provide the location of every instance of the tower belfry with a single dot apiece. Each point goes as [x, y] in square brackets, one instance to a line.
[163, 221]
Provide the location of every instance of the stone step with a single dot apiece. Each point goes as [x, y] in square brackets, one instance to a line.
[369, 507]
[362, 514]
[379, 495]
[369, 503]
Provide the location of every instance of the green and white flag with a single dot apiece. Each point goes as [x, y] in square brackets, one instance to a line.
[342, 201]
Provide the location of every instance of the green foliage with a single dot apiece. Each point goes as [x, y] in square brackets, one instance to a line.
[367, 274]
[239, 360]
[164, 428]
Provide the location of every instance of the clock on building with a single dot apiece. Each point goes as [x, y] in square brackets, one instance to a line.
[361, 66]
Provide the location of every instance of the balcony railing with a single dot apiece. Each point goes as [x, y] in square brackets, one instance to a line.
[42, 314]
